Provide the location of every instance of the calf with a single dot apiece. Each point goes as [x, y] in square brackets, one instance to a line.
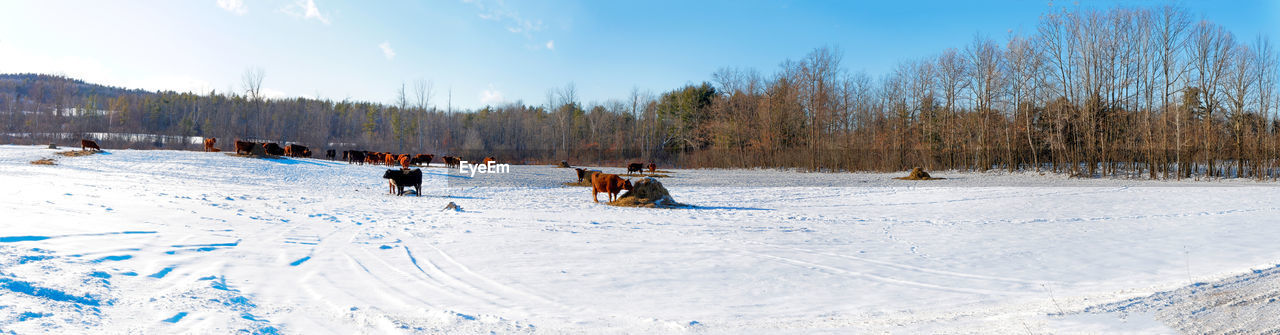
[89, 144]
[208, 144]
[608, 183]
[634, 167]
[653, 168]
[584, 174]
[243, 147]
[330, 154]
[399, 179]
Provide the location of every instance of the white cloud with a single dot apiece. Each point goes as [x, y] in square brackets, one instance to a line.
[499, 12]
[234, 6]
[491, 96]
[306, 9]
[551, 45]
[386, 50]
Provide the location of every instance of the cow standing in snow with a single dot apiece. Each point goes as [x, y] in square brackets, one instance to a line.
[399, 179]
[608, 183]
[89, 144]
[209, 144]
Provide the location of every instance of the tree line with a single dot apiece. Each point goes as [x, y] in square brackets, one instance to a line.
[1137, 92]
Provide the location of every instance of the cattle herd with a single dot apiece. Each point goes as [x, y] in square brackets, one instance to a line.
[399, 179]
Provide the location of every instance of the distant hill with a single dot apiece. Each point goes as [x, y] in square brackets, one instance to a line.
[48, 88]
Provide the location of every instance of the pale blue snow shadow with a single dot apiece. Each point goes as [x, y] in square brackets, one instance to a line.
[727, 207]
[162, 273]
[10, 239]
[32, 315]
[300, 261]
[111, 258]
[27, 288]
[175, 318]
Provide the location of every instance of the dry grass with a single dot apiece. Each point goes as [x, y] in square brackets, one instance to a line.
[647, 193]
[584, 182]
[43, 161]
[625, 175]
[918, 174]
[77, 153]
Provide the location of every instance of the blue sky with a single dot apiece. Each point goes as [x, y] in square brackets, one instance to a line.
[489, 52]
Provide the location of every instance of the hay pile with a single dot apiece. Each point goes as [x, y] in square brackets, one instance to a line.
[917, 174]
[563, 165]
[77, 153]
[647, 193]
[43, 161]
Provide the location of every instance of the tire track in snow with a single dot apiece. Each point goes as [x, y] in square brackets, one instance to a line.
[500, 286]
[448, 280]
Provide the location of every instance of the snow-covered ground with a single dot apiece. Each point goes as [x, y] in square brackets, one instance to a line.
[177, 242]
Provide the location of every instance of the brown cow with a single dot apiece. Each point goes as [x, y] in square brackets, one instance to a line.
[243, 147]
[653, 168]
[89, 144]
[389, 159]
[421, 159]
[404, 161]
[608, 183]
[490, 159]
[208, 144]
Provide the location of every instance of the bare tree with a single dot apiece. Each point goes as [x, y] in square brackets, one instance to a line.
[251, 82]
[1210, 53]
[423, 90]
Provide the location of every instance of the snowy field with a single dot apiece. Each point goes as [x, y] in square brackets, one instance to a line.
[193, 242]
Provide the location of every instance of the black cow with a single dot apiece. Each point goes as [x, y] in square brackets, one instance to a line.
[634, 167]
[399, 179]
[584, 174]
[330, 154]
[273, 149]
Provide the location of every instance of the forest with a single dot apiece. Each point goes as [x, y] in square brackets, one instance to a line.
[1128, 92]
